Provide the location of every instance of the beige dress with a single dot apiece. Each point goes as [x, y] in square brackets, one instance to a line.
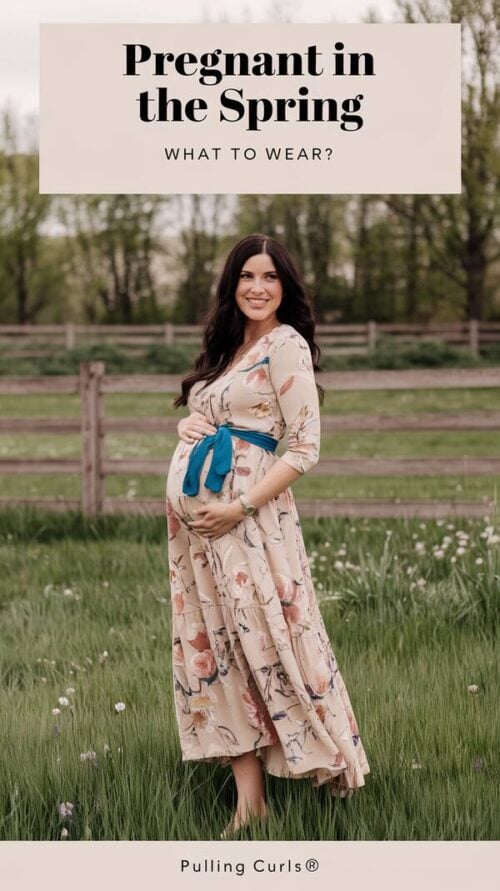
[253, 668]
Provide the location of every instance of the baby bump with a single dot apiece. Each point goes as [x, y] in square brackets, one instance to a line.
[249, 464]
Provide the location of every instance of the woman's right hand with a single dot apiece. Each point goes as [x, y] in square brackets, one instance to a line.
[195, 427]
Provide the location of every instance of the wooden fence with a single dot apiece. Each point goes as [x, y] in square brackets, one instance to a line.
[32, 340]
[93, 385]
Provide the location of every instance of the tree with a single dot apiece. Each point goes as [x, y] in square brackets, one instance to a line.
[462, 231]
[26, 274]
[200, 240]
[112, 241]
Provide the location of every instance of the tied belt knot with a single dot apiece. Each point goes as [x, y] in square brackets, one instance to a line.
[220, 464]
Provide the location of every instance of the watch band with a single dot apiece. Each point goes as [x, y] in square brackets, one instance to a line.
[248, 509]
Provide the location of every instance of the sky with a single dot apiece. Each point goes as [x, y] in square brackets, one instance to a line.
[19, 26]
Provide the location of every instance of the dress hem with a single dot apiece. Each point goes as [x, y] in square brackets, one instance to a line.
[337, 789]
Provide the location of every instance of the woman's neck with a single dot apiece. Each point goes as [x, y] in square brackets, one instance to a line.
[256, 329]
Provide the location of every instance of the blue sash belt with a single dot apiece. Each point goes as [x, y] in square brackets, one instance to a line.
[220, 464]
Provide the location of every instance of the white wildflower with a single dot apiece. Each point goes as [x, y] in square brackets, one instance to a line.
[89, 756]
[119, 706]
[56, 711]
[473, 688]
[63, 700]
[65, 809]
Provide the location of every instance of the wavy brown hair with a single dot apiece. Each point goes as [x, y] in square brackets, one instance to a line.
[224, 324]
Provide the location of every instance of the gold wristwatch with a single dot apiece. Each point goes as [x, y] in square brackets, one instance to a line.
[248, 509]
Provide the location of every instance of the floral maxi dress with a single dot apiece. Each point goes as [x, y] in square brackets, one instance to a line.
[253, 668]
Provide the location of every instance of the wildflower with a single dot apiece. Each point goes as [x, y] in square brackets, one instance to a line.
[43, 680]
[119, 706]
[64, 832]
[460, 551]
[415, 765]
[103, 656]
[338, 564]
[105, 584]
[89, 756]
[63, 700]
[70, 691]
[56, 711]
[421, 583]
[439, 554]
[473, 688]
[65, 809]
[479, 561]
[106, 749]
[453, 559]
[68, 592]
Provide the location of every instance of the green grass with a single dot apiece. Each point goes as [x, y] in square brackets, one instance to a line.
[410, 629]
[341, 402]
[336, 444]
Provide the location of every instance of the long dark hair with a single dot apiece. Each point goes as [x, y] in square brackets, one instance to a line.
[224, 324]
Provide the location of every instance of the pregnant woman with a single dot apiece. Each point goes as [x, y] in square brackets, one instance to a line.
[256, 683]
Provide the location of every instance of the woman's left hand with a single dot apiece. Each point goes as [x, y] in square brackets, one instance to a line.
[216, 519]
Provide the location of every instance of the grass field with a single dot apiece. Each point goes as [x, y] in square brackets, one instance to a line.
[412, 609]
[342, 444]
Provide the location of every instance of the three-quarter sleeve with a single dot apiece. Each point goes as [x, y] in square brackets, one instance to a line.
[292, 377]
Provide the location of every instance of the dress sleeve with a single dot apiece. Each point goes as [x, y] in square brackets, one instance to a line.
[292, 377]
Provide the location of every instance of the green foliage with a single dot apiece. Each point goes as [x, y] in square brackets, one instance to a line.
[392, 354]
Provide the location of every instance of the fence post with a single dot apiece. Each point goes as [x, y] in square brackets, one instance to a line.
[371, 334]
[91, 409]
[474, 336]
[169, 333]
[69, 335]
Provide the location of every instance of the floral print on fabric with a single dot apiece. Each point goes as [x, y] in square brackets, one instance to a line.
[253, 668]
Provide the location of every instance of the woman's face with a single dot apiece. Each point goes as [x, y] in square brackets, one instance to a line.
[259, 291]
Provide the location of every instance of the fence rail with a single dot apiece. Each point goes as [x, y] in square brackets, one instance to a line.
[93, 467]
[351, 338]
